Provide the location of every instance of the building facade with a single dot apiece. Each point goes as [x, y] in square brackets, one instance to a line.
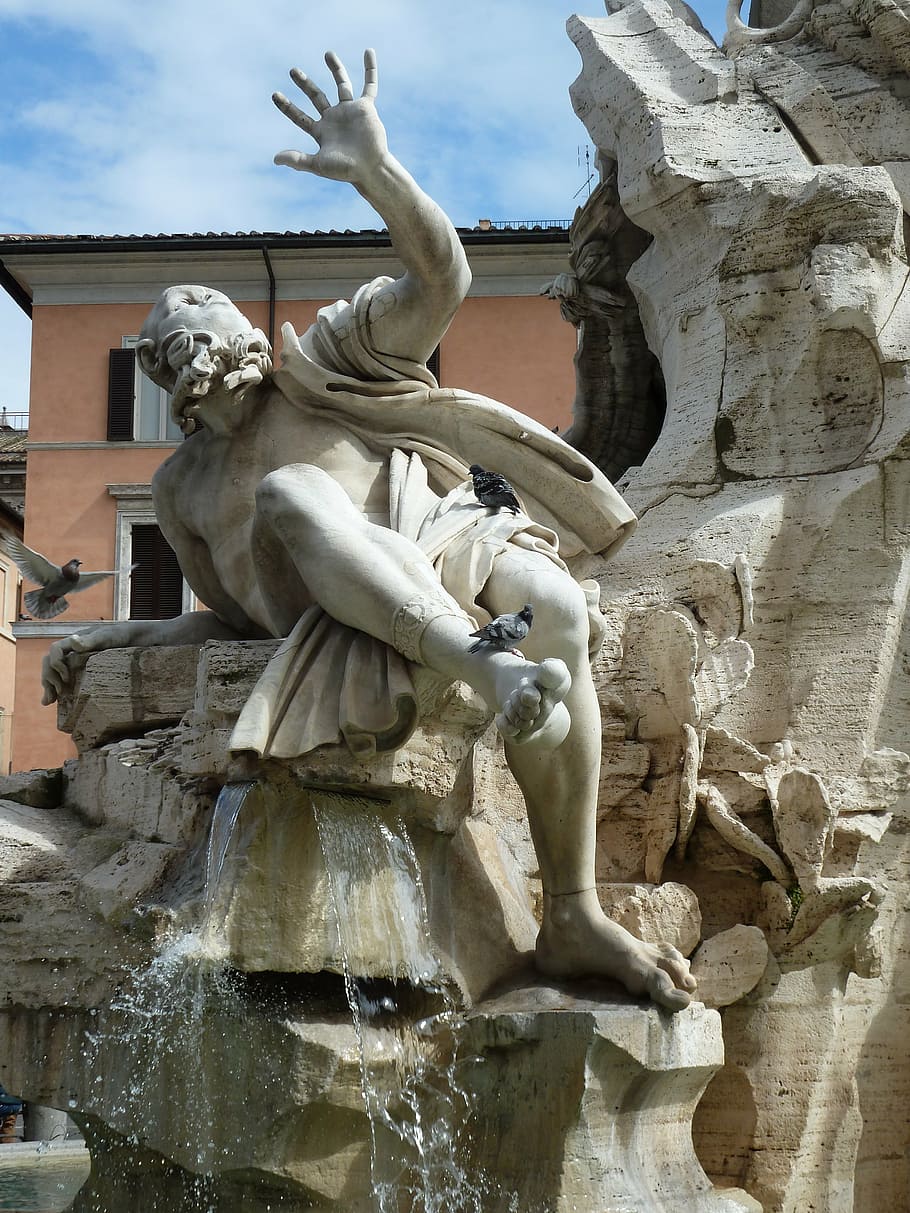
[98, 430]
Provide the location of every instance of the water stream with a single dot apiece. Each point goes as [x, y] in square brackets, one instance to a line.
[417, 1107]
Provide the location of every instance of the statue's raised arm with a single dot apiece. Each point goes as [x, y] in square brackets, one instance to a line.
[408, 317]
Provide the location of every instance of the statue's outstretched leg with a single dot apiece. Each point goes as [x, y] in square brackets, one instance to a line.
[560, 789]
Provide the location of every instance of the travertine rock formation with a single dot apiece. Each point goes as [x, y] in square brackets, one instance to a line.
[756, 670]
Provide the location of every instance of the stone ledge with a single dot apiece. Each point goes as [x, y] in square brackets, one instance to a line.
[125, 693]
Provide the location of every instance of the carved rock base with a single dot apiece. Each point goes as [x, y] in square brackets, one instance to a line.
[551, 1102]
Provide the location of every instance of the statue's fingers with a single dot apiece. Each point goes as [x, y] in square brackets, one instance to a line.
[298, 160]
[342, 79]
[55, 671]
[312, 90]
[370, 74]
[296, 115]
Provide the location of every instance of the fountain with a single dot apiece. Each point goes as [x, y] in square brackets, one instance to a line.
[289, 1017]
[297, 941]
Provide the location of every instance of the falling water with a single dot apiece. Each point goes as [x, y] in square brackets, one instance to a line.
[225, 815]
[416, 1105]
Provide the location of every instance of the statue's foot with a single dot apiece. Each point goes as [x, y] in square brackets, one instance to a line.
[578, 940]
[531, 702]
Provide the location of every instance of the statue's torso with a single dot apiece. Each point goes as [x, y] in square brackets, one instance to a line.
[208, 486]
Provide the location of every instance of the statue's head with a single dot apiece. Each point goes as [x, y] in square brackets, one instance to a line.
[195, 341]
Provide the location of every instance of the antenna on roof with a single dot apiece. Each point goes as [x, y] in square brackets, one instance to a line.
[584, 161]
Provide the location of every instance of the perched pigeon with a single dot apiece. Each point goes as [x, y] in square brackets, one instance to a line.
[55, 582]
[505, 631]
[492, 489]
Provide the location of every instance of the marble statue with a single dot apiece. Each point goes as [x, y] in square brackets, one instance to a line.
[330, 502]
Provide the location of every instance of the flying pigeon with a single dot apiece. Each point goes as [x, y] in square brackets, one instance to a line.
[505, 631]
[490, 488]
[55, 582]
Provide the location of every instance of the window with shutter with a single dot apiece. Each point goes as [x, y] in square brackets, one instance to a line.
[433, 364]
[156, 584]
[121, 395]
[138, 410]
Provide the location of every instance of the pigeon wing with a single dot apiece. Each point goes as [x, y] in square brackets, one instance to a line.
[31, 564]
[500, 629]
[87, 579]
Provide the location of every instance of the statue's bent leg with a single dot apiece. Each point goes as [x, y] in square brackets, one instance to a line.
[313, 545]
[560, 788]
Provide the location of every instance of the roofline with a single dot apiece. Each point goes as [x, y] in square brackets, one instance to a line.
[10, 515]
[11, 245]
[227, 242]
[15, 290]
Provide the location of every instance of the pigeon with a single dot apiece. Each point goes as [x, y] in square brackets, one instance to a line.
[55, 582]
[505, 631]
[490, 488]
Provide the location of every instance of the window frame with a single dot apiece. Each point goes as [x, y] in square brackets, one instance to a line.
[134, 508]
[141, 383]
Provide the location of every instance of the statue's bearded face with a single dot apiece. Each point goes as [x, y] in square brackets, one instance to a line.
[195, 342]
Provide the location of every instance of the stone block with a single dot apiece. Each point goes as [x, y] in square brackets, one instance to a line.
[115, 888]
[42, 789]
[127, 692]
[319, 881]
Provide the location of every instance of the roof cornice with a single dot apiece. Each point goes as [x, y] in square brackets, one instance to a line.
[226, 241]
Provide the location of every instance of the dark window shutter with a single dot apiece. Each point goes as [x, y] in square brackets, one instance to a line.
[120, 390]
[433, 364]
[156, 584]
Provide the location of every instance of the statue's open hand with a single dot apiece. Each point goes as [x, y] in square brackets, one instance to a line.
[351, 138]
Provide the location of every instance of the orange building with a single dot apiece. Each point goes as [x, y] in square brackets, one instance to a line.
[98, 431]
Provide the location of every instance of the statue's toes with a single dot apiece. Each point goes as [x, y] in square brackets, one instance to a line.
[676, 967]
[663, 990]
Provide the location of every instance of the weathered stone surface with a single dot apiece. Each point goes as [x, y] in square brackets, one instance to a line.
[57, 949]
[616, 1046]
[730, 965]
[125, 692]
[116, 888]
[412, 905]
[661, 913]
[42, 789]
[773, 292]
[133, 786]
[573, 1081]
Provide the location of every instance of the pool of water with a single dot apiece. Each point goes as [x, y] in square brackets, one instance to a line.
[40, 1183]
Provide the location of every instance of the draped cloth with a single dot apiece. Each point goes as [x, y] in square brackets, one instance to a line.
[328, 682]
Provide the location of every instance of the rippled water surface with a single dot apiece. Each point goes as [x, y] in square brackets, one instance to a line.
[40, 1184]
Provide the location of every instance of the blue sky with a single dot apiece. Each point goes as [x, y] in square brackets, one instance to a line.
[120, 118]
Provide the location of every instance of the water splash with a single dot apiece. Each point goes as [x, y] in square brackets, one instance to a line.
[169, 1022]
